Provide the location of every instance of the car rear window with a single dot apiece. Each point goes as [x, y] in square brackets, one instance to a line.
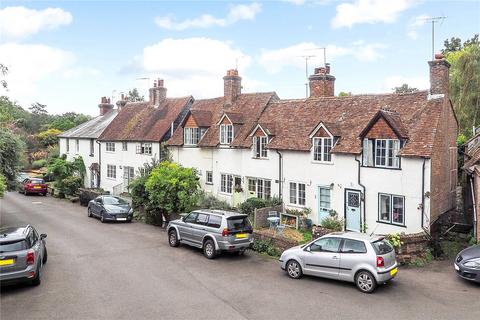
[382, 247]
[37, 181]
[13, 246]
[238, 223]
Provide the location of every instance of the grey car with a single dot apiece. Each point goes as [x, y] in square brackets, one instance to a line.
[110, 208]
[22, 254]
[213, 231]
[467, 263]
[349, 256]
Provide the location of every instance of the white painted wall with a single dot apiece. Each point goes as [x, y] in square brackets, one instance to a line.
[83, 151]
[299, 167]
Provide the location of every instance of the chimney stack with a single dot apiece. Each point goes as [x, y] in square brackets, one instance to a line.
[232, 86]
[322, 83]
[105, 105]
[439, 75]
[122, 102]
[158, 93]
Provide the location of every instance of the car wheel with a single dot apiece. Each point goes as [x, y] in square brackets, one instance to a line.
[209, 249]
[173, 239]
[365, 281]
[102, 217]
[294, 270]
[89, 212]
[45, 256]
[44, 194]
[38, 274]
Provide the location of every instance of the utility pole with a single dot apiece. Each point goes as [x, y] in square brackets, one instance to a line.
[324, 53]
[306, 57]
[434, 20]
[148, 82]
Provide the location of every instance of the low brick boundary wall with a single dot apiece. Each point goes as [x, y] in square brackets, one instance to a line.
[414, 246]
[260, 216]
[279, 242]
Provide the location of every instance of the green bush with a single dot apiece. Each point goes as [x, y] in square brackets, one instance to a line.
[265, 246]
[332, 223]
[248, 206]
[3, 185]
[209, 201]
[70, 185]
[39, 164]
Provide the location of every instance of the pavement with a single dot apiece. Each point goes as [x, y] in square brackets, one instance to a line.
[128, 271]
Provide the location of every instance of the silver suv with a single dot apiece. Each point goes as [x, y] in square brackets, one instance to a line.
[22, 254]
[348, 256]
[212, 230]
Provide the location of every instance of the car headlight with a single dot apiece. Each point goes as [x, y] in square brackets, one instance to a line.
[473, 264]
[130, 211]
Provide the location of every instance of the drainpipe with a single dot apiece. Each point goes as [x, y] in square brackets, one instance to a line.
[99, 163]
[280, 174]
[475, 231]
[423, 197]
[364, 193]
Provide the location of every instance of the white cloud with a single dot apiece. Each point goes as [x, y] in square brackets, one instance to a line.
[294, 56]
[420, 82]
[369, 11]
[416, 23]
[20, 22]
[236, 13]
[193, 65]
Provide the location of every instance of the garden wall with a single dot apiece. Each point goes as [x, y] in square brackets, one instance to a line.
[260, 216]
[279, 242]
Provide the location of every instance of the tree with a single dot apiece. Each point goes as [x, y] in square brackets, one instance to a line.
[11, 155]
[3, 72]
[344, 94]
[172, 189]
[134, 96]
[465, 83]
[3, 185]
[48, 137]
[38, 109]
[455, 44]
[404, 88]
[68, 175]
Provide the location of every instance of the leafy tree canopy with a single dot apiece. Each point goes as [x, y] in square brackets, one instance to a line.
[12, 150]
[134, 96]
[404, 88]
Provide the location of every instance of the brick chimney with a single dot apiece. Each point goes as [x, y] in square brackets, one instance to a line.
[322, 83]
[439, 75]
[232, 86]
[158, 93]
[105, 105]
[122, 102]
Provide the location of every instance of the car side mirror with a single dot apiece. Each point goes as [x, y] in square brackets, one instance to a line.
[43, 236]
[308, 249]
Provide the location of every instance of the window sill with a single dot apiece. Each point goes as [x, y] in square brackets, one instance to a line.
[109, 151]
[323, 162]
[392, 224]
[209, 183]
[190, 145]
[110, 178]
[259, 158]
[297, 205]
[385, 168]
[225, 193]
[91, 155]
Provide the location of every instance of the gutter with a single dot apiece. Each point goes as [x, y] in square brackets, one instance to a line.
[99, 178]
[280, 174]
[423, 197]
[364, 194]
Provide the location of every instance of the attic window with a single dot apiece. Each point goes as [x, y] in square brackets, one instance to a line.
[381, 153]
[226, 133]
[259, 147]
[322, 149]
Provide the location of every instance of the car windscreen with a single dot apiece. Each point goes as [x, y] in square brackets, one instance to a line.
[37, 181]
[114, 201]
[13, 246]
[238, 223]
[382, 247]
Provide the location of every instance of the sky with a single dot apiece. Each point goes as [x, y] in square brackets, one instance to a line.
[68, 54]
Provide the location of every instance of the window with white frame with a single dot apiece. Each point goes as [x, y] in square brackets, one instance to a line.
[110, 146]
[144, 148]
[124, 146]
[111, 171]
[391, 209]
[77, 145]
[191, 136]
[92, 147]
[261, 188]
[321, 149]
[209, 177]
[68, 145]
[324, 201]
[259, 147]
[226, 133]
[226, 183]
[381, 153]
[297, 193]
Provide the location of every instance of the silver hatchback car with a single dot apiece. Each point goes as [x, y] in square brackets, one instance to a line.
[212, 230]
[349, 256]
[22, 254]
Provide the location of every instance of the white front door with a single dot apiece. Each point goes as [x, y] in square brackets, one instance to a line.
[352, 210]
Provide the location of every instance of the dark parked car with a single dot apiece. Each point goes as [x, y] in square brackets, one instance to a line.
[22, 254]
[467, 263]
[110, 208]
[33, 185]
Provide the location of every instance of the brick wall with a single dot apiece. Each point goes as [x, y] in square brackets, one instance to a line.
[190, 123]
[381, 130]
[232, 86]
[413, 246]
[279, 242]
[322, 86]
[260, 216]
[444, 164]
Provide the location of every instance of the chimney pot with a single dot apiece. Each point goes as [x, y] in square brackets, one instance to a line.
[105, 105]
[439, 56]
[160, 82]
[322, 84]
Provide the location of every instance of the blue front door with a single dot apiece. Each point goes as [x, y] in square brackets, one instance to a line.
[352, 210]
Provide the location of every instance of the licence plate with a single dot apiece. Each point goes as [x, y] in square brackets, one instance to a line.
[6, 262]
[37, 187]
[456, 267]
[393, 272]
[121, 219]
[241, 235]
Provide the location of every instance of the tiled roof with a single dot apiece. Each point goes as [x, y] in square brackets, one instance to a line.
[142, 121]
[91, 129]
[348, 116]
[244, 112]
[472, 152]
[202, 118]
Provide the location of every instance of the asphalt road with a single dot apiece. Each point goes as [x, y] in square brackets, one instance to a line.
[128, 271]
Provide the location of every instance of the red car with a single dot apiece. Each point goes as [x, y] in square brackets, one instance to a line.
[33, 185]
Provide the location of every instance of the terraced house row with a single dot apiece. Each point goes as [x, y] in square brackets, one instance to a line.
[384, 162]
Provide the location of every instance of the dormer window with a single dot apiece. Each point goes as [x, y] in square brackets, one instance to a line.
[226, 133]
[381, 153]
[321, 149]
[260, 147]
[191, 136]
